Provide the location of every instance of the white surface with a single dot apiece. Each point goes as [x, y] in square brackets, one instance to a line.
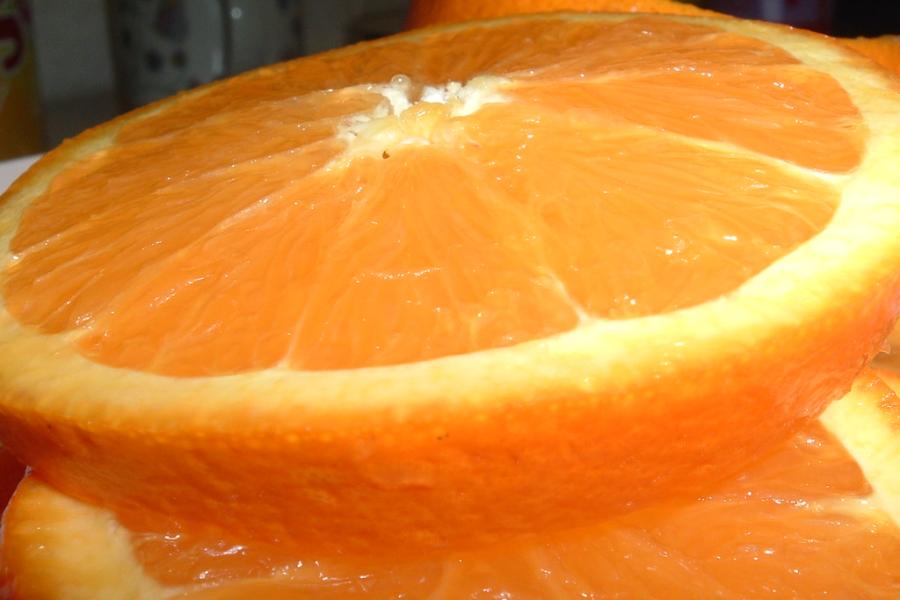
[11, 169]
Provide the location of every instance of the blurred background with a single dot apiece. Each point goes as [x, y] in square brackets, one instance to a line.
[66, 65]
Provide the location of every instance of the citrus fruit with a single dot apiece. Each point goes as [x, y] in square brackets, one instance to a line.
[884, 50]
[455, 286]
[810, 518]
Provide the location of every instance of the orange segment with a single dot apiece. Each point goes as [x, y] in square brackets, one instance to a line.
[782, 121]
[802, 521]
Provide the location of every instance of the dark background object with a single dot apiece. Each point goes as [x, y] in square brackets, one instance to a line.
[846, 18]
[853, 18]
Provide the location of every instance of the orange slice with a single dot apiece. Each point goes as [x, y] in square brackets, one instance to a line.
[453, 286]
[816, 516]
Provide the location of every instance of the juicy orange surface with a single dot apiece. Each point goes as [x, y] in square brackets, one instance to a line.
[237, 231]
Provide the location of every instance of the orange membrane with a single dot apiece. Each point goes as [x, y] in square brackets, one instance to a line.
[621, 170]
[798, 523]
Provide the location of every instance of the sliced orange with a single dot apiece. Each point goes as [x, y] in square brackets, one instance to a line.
[817, 516]
[453, 286]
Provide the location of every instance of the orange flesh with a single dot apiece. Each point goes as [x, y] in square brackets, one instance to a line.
[795, 525]
[214, 238]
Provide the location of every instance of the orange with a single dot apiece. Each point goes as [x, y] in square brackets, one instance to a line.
[884, 50]
[456, 286]
[816, 516]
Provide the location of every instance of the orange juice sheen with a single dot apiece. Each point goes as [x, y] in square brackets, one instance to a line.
[20, 123]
